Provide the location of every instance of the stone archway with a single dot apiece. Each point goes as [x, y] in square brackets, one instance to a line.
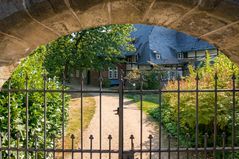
[26, 24]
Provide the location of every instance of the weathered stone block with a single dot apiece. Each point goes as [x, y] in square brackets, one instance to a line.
[26, 24]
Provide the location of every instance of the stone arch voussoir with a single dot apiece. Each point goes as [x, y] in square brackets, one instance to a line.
[26, 24]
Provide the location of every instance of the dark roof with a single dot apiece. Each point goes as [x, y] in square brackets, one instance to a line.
[167, 42]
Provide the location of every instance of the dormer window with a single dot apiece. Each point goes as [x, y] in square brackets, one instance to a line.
[157, 56]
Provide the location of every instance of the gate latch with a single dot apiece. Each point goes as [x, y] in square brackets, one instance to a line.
[117, 111]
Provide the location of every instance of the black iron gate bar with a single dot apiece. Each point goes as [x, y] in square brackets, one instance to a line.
[121, 91]
[126, 91]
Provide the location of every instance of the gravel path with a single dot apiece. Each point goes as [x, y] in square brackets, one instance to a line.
[110, 125]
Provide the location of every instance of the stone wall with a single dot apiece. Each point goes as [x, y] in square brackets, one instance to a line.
[26, 24]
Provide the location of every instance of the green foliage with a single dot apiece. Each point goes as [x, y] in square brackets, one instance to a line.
[169, 108]
[106, 83]
[33, 67]
[92, 49]
[132, 78]
[58, 58]
[224, 69]
[150, 78]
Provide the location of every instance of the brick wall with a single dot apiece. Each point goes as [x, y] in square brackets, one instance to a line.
[94, 77]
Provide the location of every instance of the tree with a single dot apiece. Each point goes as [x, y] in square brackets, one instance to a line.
[92, 49]
[59, 58]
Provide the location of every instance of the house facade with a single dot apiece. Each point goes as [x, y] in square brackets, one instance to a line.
[158, 46]
[171, 50]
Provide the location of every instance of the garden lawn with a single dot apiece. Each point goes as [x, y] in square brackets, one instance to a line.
[74, 120]
[149, 102]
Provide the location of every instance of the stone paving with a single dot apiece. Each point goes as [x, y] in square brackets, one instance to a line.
[131, 126]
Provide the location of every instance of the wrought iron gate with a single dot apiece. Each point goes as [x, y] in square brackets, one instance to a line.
[220, 144]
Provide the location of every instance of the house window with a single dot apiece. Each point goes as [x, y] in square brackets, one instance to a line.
[180, 55]
[113, 73]
[137, 58]
[157, 56]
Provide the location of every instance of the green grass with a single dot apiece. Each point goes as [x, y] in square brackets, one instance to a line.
[149, 101]
[74, 120]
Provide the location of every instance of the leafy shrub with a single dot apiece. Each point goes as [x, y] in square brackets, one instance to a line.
[32, 66]
[225, 69]
[106, 83]
[133, 78]
[149, 78]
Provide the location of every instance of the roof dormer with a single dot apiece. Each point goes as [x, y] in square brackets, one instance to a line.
[157, 55]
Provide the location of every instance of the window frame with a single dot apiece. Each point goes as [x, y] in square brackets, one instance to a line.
[158, 56]
[113, 73]
[180, 55]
